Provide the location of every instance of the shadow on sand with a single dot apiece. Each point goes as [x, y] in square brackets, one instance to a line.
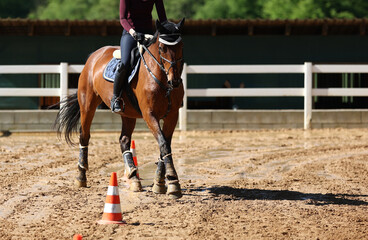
[259, 194]
[5, 133]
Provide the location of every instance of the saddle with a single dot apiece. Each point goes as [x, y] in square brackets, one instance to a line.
[113, 65]
[134, 55]
[111, 68]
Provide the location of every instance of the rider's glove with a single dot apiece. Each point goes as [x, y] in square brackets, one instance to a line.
[139, 37]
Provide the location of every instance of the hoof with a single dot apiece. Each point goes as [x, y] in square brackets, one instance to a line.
[135, 186]
[174, 190]
[80, 184]
[159, 189]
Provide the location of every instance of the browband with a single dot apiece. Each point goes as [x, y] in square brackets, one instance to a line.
[167, 38]
[170, 43]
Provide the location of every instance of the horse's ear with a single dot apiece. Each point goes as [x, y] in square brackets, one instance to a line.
[181, 24]
[158, 25]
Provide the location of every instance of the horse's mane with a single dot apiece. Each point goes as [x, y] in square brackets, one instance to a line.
[154, 39]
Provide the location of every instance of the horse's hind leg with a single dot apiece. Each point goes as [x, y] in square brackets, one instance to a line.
[88, 104]
[125, 140]
[165, 165]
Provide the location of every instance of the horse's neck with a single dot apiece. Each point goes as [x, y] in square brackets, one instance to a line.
[153, 54]
[153, 48]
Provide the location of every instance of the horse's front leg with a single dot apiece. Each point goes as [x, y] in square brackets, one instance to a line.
[170, 174]
[165, 165]
[130, 168]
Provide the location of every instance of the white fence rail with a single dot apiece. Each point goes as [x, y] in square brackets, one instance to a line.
[307, 92]
[307, 69]
[63, 69]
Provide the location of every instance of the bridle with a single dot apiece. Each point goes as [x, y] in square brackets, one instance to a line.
[173, 64]
[170, 86]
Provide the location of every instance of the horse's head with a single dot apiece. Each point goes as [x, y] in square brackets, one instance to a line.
[171, 50]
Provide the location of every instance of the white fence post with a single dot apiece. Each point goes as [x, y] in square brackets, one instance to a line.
[183, 110]
[307, 95]
[63, 80]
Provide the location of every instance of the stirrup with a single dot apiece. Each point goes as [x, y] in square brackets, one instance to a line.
[115, 105]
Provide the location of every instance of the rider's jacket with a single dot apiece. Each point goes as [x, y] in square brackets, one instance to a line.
[137, 14]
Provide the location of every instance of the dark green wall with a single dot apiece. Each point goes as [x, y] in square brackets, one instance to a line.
[42, 50]
[204, 50]
[269, 50]
[275, 49]
[50, 49]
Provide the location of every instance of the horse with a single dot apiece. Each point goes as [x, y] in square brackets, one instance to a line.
[159, 92]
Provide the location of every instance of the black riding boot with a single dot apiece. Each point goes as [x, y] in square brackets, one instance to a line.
[119, 80]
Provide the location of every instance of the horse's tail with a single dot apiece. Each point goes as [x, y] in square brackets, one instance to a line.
[68, 117]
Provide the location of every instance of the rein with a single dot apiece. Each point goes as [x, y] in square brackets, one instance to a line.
[168, 88]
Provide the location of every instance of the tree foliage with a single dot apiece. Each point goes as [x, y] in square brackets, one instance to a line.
[195, 9]
[182, 8]
[106, 9]
[216, 9]
[18, 9]
[302, 9]
[77, 9]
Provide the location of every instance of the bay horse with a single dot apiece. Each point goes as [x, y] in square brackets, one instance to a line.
[159, 92]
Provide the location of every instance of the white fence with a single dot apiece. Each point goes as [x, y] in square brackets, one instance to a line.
[63, 69]
[307, 92]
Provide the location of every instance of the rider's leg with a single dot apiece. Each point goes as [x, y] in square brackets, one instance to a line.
[127, 43]
[118, 85]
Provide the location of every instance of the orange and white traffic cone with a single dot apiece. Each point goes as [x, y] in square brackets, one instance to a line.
[112, 211]
[77, 237]
[132, 149]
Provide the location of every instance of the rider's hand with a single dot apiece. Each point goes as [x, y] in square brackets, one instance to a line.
[139, 37]
[132, 32]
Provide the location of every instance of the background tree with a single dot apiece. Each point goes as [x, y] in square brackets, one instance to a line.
[17, 9]
[182, 8]
[77, 9]
[216, 9]
[302, 9]
[106, 9]
[197, 9]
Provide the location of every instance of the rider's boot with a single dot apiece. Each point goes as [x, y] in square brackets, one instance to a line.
[119, 80]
